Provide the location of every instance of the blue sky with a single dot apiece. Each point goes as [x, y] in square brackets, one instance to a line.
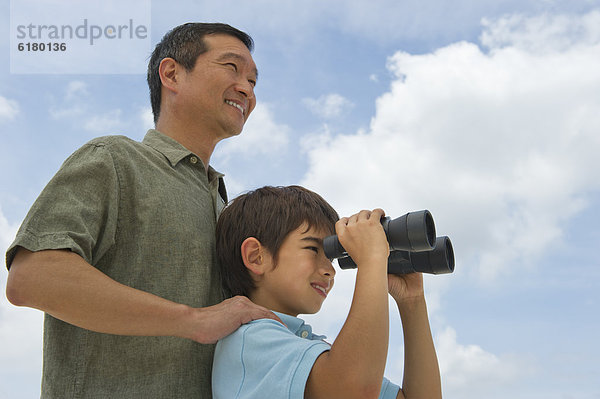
[486, 113]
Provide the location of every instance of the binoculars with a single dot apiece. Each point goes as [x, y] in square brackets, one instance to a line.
[413, 246]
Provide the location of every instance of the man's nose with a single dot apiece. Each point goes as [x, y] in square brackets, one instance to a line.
[246, 89]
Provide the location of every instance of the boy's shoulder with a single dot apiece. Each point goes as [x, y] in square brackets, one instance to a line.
[291, 326]
[258, 338]
[261, 330]
[261, 348]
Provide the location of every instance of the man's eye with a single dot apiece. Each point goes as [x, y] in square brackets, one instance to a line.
[313, 249]
[252, 82]
[231, 64]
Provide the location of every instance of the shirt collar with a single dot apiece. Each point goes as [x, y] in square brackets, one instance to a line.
[170, 148]
[298, 327]
[173, 150]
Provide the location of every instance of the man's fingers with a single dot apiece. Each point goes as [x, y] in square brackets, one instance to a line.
[249, 311]
[263, 313]
[272, 316]
[224, 318]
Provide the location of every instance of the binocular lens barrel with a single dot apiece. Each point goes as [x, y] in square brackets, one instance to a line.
[413, 232]
[440, 260]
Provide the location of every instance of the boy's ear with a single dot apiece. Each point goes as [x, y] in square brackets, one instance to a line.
[253, 255]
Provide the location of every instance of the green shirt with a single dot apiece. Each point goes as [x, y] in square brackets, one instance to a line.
[144, 214]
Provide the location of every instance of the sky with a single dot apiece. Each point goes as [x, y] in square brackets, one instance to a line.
[485, 113]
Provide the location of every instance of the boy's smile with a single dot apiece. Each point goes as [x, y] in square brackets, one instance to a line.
[321, 289]
[302, 277]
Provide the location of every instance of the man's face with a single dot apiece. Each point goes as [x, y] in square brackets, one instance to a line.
[217, 95]
[303, 276]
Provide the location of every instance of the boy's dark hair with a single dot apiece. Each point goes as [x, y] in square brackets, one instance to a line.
[268, 214]
[184, 44]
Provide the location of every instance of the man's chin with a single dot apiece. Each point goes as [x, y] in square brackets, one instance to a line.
[232, 132]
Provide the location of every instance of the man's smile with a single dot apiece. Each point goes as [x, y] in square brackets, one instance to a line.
[236, 105]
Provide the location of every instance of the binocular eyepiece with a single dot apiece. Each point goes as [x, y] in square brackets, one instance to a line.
[413, 246]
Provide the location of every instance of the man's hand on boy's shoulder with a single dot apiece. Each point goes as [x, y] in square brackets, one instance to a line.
[218, 321]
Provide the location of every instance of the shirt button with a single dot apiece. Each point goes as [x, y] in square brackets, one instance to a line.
[304, 334]
[193, 160]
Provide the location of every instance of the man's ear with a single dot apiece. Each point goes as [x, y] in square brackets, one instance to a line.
[254, 256]
[168, 70]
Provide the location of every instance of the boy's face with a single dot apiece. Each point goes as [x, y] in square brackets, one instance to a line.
[302, 277]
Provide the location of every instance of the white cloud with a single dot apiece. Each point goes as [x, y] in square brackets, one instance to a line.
[147, 118]
[107, 123]
[21, 335]
[470, 370]
[75, 105]
[382, 21]
[72, 104]
[542, 33]
[75, 90]
[20, 328]
[7, 231]
[501, 146]
[262, 136]
[328, 106]
[8, 108]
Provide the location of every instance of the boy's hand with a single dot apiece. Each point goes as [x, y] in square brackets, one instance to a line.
[354, 366]
[406, 286]
[362, 236]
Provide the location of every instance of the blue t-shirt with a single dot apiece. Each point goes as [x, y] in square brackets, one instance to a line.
[264, 359]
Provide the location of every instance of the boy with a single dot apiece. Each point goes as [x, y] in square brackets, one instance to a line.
[269, 246]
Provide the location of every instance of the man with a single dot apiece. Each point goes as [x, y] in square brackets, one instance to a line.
[118, 250]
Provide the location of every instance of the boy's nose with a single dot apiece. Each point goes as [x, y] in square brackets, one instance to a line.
[328, 269]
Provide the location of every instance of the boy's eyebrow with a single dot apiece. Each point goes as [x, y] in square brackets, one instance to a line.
[316, 240]
[231, 55]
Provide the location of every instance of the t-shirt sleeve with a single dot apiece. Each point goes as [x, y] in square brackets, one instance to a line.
[263, 359]
[77, 210]
[389, 390]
